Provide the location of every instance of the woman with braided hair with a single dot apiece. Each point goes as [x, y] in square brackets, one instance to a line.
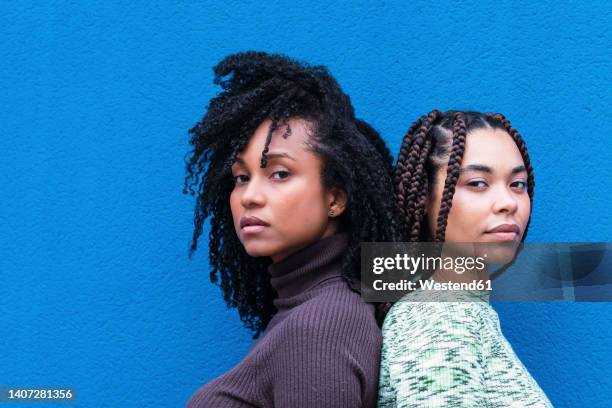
[292, 182]
[461, 177]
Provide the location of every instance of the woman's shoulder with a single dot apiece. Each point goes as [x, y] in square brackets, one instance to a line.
[339, 303]
[444, 302]
[336, 311]
[419, 314]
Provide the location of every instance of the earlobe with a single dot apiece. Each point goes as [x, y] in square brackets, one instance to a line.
[337, 202]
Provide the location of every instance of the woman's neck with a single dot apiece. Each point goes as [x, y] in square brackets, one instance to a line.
[309, 266]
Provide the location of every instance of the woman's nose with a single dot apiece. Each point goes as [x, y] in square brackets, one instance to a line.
[505, 201]
[253, 194]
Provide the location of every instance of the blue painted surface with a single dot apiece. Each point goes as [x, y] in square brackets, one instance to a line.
[97, 291]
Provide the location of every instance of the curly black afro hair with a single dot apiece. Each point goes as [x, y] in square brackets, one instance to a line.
[256, 86]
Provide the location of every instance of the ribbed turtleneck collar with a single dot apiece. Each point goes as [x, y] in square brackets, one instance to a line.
[309, 266]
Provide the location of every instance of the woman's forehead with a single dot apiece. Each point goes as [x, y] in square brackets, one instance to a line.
[288, 140]
[493, 148]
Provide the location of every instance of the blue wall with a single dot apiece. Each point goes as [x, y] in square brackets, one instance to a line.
[97, 291]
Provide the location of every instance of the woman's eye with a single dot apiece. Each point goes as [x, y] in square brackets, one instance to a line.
[282, 174]
[240, 179]
[521, 185]
[479, 184]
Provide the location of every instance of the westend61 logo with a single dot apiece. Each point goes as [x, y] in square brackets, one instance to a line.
[410, 264]
[408, 285]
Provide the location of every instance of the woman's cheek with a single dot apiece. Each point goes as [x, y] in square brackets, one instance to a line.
[468, 215]
[525, 211]
[234, 202]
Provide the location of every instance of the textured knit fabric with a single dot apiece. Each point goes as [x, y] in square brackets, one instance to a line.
[451, 354]
[321, 349]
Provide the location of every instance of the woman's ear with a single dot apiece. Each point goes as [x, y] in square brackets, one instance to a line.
[336, 201]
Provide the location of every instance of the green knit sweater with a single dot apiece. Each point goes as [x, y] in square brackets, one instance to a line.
[451, 354]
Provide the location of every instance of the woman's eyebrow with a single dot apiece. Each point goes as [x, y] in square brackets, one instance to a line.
[279, 156]
[476, 167]
[486, 169]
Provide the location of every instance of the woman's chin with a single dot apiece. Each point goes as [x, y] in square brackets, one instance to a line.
[499, 253]
[257, 251]
[259, 248]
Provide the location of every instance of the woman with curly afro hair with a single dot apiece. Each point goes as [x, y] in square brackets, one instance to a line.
[461, 177]
[291, 182]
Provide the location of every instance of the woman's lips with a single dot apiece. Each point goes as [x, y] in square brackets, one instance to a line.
[252, 225]
[504, 232]
[253, 229]
[502, 236]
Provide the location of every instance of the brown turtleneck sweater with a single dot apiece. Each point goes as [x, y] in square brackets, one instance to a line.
[321, 349]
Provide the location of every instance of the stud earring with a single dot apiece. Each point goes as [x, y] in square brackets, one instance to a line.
[331, 213]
